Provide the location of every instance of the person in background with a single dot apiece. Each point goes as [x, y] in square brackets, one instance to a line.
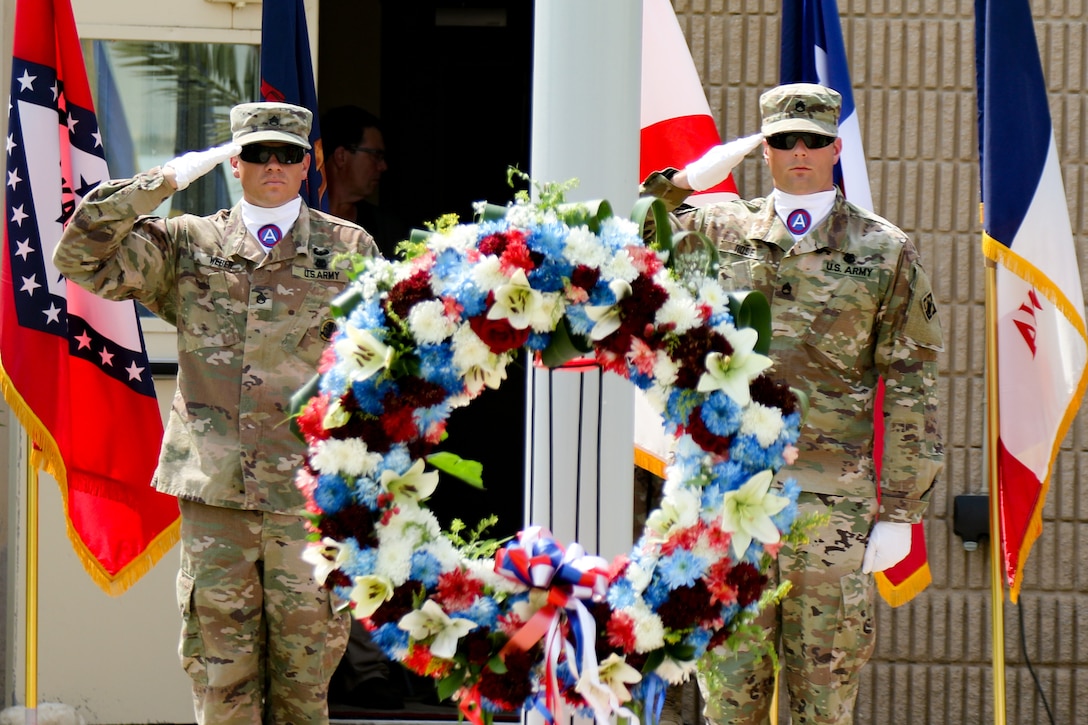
[850, 304]
[354, 163]
[248, 290]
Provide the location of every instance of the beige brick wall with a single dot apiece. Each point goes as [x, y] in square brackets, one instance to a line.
[912, 65]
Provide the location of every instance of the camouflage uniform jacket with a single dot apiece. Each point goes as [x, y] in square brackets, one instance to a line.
[250, 329]
[850, 303]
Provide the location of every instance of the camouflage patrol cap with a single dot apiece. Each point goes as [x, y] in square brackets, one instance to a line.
[800, 107]
[267, 121]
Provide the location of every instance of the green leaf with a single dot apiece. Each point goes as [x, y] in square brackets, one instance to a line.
[346, 301]
[564, 346]
[651, 210]
[497, 665]
[471, 472]
[751, 309]
[653, 660]
[694, 256]
[450, 683]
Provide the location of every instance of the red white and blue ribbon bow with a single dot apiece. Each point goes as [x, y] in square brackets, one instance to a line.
[570, 578]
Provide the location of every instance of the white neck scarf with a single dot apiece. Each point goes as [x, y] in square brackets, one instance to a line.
[270, 225]
[802, 213]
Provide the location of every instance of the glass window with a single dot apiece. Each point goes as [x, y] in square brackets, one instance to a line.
[157, 99]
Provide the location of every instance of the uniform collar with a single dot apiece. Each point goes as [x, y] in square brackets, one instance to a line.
[826, 235]
[238, 242]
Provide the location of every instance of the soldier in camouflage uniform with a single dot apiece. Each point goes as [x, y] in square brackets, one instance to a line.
[249, 290]
[850, 304]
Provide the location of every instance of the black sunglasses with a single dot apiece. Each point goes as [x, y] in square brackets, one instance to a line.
[258, 153]
[786, 141]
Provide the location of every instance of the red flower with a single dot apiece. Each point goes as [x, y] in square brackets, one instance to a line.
[585, 277]
[621, 631]
[516, 256]
[406, 293]
[311, 419]
[716, 444]
[457, 590]
[508, 691]
[748, 581]
[420, 660]
[499, 335]
[399, 423]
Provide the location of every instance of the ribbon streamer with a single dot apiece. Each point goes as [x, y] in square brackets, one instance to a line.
[570, 577]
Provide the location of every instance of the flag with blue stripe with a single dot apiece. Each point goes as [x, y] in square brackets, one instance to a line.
[813, 52]
[1038, 306]
[287, 75]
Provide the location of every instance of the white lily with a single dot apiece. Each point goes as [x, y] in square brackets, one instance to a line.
[747, 512]
[732, 373]
[369, 593]
[413, 486]
[521, 305]
[325, 558]
[363, 353]
[431, 621]
[607, 317]
[616, 674]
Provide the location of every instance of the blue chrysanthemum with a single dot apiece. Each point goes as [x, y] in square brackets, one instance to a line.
[621, 594]
[681, 568]
[392, 639]
[657, 593]
[680, 404]
[721, 414]
[332, 493]
[367, 491]
[425, 568]
[484, 612]
[362, 562]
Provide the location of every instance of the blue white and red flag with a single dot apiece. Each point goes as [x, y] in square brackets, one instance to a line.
[1042, 345]
[813, 52]
[74, 367]
[287, 74]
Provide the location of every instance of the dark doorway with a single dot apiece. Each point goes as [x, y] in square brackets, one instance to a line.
[451, 82]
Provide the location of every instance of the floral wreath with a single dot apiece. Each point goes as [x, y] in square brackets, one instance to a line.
[536, 624]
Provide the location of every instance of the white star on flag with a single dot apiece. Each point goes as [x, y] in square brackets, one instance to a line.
[53, 313]
[30, 284]
[13, 179]
[27, 81]
[11, 140]
[24, 249]
[134, 371]
[107, 357]
[17, 215]
[84, 340]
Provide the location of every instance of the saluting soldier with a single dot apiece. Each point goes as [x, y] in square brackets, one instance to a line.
[248, 290]
[850, 304]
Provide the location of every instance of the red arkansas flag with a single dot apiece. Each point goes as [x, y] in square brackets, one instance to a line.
[73, 367]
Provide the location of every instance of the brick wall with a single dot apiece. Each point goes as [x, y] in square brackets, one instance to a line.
[912, 65]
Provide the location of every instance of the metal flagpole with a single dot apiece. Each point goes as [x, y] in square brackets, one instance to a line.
[30, 478]
[997, 586]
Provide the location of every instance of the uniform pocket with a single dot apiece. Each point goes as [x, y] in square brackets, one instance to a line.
[207, 318]
[314, 325]
[843, 330]
[191, 647]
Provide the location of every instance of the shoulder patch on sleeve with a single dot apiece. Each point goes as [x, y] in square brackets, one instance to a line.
[923, 323]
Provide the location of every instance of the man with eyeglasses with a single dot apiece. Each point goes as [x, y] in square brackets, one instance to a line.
[354, 163]
[850, 304]
[249, 290]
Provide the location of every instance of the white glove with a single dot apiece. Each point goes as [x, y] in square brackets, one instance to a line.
[716, 163]
[191, 166]
[889, 544]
